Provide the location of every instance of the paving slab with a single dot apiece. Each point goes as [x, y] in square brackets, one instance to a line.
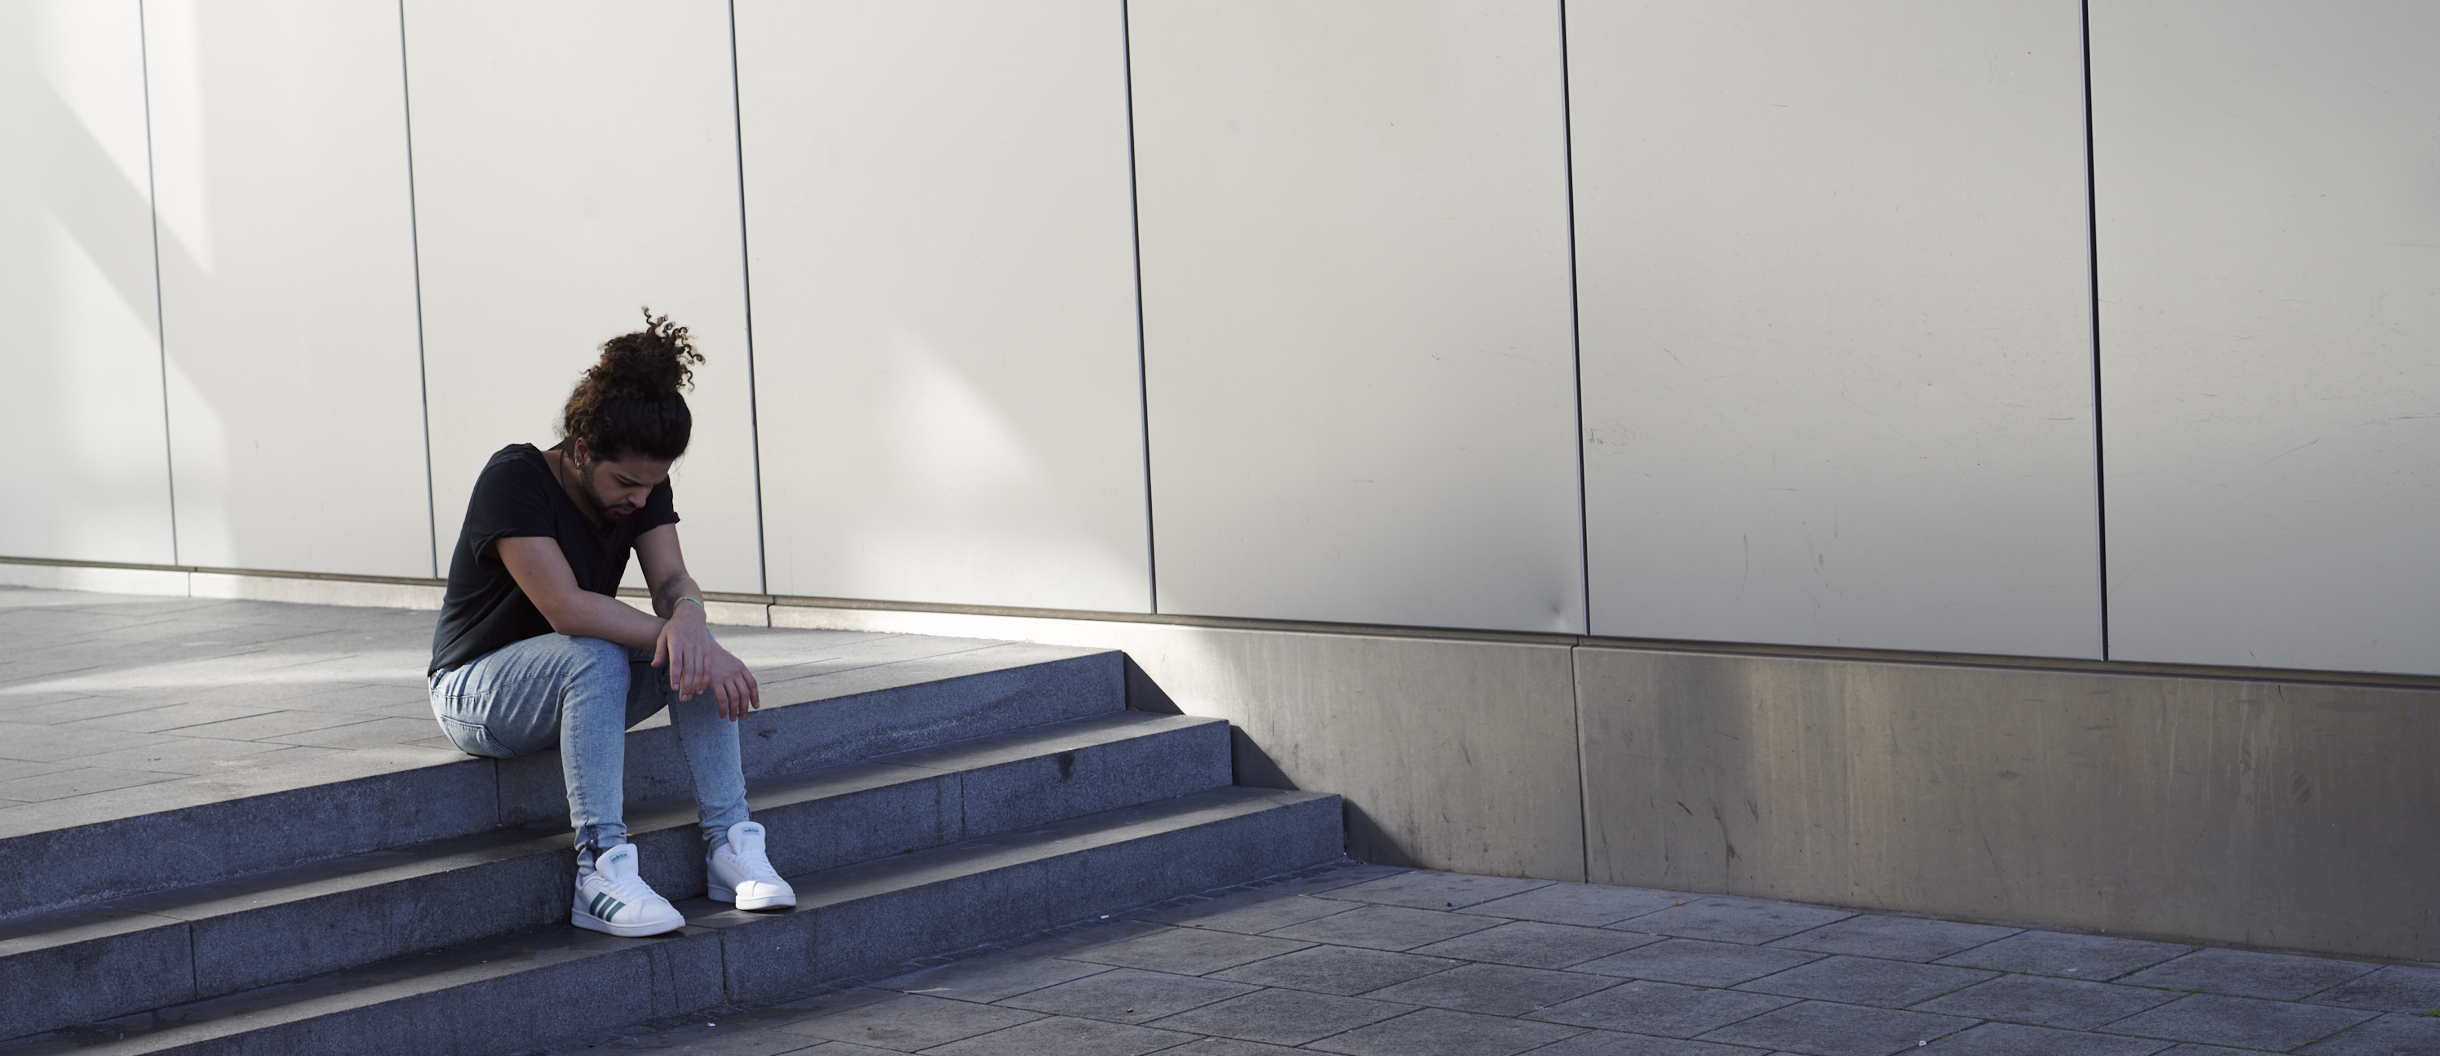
[1823, 1028]
[1585, 905]
[1188, 951]
[1282, 1017]
[1343, 970]
[1233, 1047]
[2016, 1039]
[909, 1022]
[1427, 889]
[2099, 958]
[1128, 995]
[1613, 1043]
[2248, 973]
[2392, 988]
[1494, 989]
[1250, 913]
[1867, 981]
[1065, 1036]
[1440, 1032]
[1698, 962]
[1384, 927]
[1896, 938]
[991, 977]
[1666, 1009]
[2390, 1035]
[2241, 1022]
[1534, 944]
[1746, 920]
[2049, 1002]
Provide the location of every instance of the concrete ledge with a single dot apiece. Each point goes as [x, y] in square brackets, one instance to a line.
[2283, 815]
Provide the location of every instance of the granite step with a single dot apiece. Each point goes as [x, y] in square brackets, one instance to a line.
[100, 960]
[171, 835]
[533, 988]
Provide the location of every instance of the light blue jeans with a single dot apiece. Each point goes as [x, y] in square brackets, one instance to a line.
[580, 695]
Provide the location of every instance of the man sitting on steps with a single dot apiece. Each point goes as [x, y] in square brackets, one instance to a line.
[534, 649]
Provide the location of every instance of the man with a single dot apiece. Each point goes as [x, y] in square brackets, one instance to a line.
[534, 650]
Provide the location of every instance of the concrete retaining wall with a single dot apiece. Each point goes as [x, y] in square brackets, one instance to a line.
[2288, 813]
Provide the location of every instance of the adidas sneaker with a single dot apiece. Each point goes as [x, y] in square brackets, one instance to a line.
[612, 898]
[738, 872]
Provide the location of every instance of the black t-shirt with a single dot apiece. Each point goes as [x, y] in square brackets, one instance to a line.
[516, 495]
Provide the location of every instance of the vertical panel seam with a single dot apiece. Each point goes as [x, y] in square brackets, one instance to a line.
[1143, 374]
[745, 276]
[152, 207]
[1575, 333]
[1584, 792]
[415, 253]
[1584, 529]
[2092, 251]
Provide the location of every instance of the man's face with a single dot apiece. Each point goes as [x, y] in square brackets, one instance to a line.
[617, 489]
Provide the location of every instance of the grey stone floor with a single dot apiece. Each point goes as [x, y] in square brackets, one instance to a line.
[1373, 961]
[116, 705]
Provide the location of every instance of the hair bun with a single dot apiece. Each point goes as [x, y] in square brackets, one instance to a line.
[648, 364]
[630, 401]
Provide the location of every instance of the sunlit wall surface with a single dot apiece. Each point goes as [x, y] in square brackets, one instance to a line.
[1735, 322]
[944, 301]
[287, 252]
[80, 362]
[576, 162]
[1356, 311]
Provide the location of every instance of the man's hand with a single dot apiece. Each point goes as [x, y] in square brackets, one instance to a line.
[696, 663]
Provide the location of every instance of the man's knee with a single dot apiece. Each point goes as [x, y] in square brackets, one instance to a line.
[590, 654]
[597, 665]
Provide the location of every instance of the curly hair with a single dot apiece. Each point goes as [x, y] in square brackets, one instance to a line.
[628, 405]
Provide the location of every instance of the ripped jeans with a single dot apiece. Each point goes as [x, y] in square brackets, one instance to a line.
[580, 695]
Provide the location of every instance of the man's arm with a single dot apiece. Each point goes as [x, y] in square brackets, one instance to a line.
[685, 643]
[542, 572]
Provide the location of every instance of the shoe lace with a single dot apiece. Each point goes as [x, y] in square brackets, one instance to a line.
[629, 889]
[753, 863]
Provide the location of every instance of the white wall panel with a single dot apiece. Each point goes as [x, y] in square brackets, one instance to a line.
[288, 285]
[944, 301]
[81, 405]
[1836, 323]
[574, 162]
[1358, 347]
[2267, 190]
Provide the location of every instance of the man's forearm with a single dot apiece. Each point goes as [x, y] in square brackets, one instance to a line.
[665, 595]
[591, 615]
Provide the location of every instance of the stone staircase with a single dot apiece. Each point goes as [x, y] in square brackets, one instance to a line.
[425, 909]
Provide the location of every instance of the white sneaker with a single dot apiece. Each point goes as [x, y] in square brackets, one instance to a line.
[739, 873]
[612, 898]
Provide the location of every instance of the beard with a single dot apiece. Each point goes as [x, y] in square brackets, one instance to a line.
[593, 495]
